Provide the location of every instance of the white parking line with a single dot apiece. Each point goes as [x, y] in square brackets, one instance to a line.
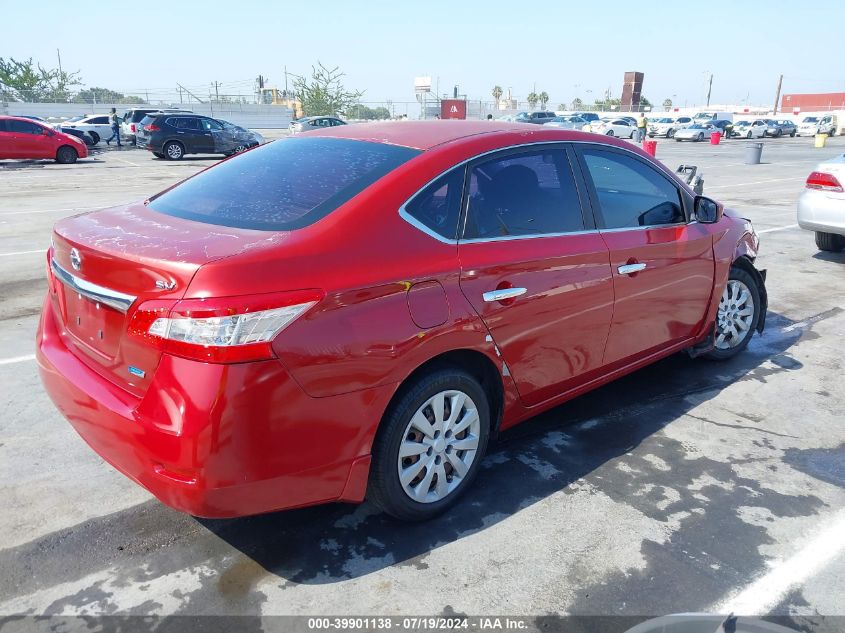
[767, 591]
[778, 228]
[43, 250]
[16, 359]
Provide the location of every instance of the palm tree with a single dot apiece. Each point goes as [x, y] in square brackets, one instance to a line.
[497, 94]
[577, 104]
[544, 99]
[667, 103]
[533, 98]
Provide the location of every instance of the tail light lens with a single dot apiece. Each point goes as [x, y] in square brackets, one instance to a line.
[152, 127]
[823, 181]
[132, 127]
[220, 330]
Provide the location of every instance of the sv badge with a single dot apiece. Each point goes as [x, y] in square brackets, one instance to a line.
[165, 285]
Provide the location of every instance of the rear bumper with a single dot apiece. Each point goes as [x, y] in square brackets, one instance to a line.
[821, 211]
[218, 440]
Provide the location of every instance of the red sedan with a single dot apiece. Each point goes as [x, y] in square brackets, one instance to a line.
[355, 312]
[22, 138]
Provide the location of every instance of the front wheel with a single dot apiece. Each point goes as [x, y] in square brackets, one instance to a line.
[670, 134]
[66, 155]
[738, 315]
[95, 137]
[610, 133]
[700, 136]
[749, 135]
[430, 445]
[830, 241]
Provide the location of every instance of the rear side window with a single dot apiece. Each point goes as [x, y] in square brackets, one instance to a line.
[284, 185]
[438, 206]
[523, 194]
[630, 193]
[100, 120]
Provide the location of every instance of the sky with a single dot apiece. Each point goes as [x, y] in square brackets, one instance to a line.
[565, 49]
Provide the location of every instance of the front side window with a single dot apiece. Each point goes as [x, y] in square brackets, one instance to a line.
[210, 125]
[24, 127]
[523, 194]
[438, 206]
[281, 186]
[630, 193]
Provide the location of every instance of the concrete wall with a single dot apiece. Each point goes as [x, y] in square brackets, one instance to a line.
[246, 115]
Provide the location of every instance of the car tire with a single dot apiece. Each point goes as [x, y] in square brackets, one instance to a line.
[95, 137]
[730, 340]
[792, 134]
[609, 133]
[700, 136]
[670, 134]
[66, 155]
[173, 150]
[398, 433]
[830, 242]
[749, 135]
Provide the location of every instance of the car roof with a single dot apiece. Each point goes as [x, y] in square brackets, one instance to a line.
[425, 135]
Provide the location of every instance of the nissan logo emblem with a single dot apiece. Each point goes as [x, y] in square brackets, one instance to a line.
[75, 259]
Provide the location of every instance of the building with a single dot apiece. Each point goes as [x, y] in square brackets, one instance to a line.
[809, 102]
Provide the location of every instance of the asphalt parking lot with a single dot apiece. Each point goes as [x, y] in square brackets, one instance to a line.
[688, 486]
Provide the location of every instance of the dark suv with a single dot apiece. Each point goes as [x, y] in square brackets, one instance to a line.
[535, 117]
[172, 136]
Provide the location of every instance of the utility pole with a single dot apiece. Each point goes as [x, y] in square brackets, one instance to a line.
[216, 92]
[709, 89]
[179, 88]
[777, 96]
[286, 81]
[59, 55]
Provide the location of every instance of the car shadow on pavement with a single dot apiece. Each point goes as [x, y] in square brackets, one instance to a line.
[829, 256]
[551, 454]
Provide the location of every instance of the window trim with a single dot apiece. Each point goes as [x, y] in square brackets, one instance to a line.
[683, 195]
[588, 209]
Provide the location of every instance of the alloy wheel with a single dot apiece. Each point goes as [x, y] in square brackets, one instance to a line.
[439, 446]
[735, 315]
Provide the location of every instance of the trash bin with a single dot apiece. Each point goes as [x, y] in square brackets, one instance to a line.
[821, 139]
[715, 138]
[753, 153]
[650, 147]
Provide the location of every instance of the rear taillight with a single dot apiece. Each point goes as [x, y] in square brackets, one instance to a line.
[132, 127]
[220, 330]
[823, 181]
[152, 127]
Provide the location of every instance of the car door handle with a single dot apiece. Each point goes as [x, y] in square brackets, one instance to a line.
[630, 269]
[503, 294]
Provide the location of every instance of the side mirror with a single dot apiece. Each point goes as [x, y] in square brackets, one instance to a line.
[707, 211]
[47, 132]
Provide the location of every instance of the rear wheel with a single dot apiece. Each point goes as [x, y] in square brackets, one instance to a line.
[830, 241]
[95, 137]
[173, 150]
[700, 136]
[610, 133]
[430, 445]
[738, 315]
[66, 154]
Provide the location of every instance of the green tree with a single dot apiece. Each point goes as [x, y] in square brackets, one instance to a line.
[543, 97]
[533, 98]
[29, 81]
[104, 95]
[667, 104]
[645, 103]
[497, 95]
[324, 93]
[577, 104]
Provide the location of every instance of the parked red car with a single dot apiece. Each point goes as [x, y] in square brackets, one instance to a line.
[22, 138]
[355, 312]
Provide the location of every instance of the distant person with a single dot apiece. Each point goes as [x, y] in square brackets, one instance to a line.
[115, 128]
[642, 122]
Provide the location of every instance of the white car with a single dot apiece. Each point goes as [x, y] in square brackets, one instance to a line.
[821, 206]
[613, 127]
[696, 132]
[97, 125]
[750, 128]
[812, 125]
[667, 126]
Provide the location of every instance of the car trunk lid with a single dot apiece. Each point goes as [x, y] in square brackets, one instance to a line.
[105, 264]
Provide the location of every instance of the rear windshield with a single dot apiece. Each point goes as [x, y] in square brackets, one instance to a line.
[284, 185]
